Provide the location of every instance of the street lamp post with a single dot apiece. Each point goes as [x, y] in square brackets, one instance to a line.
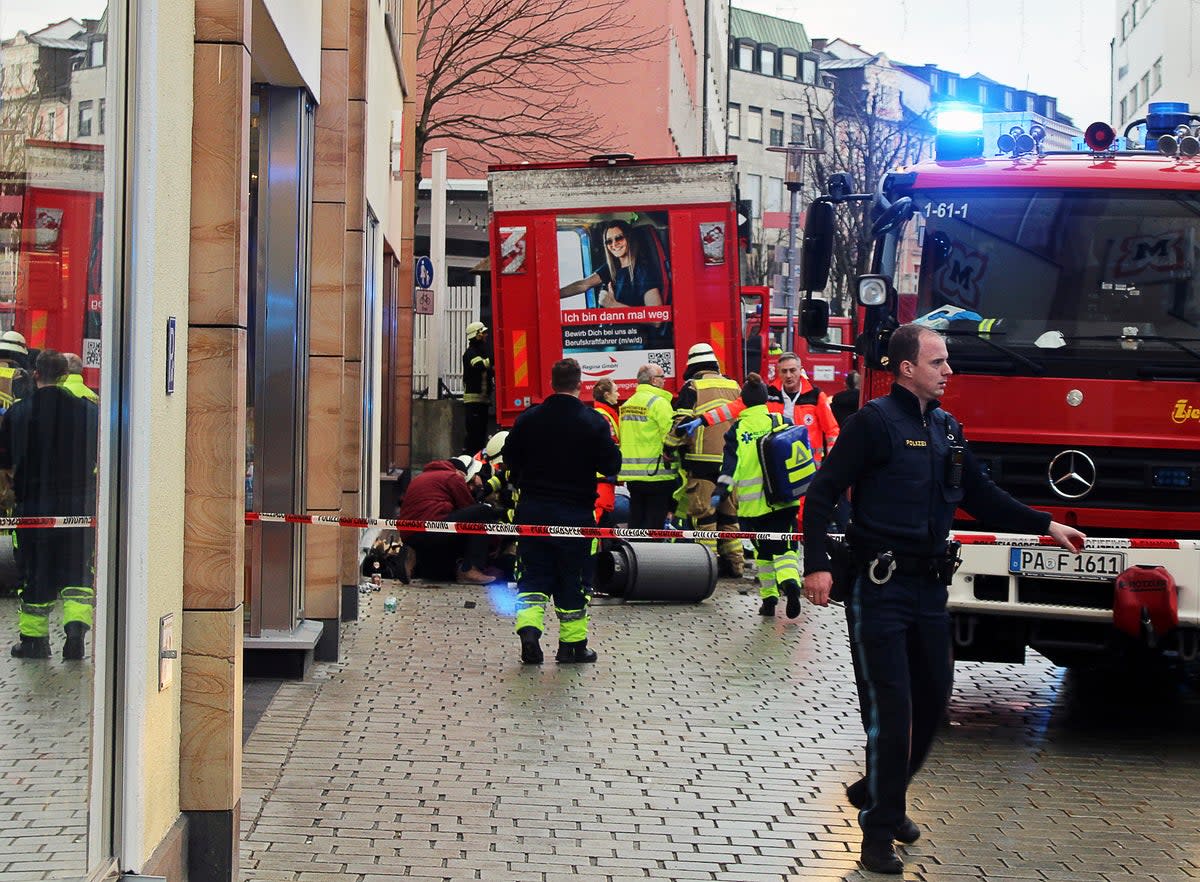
[794, 178]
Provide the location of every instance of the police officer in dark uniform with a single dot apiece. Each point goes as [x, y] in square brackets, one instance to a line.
[909, 469]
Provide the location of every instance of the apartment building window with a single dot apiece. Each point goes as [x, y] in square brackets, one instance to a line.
[96, 53]
[745, 56]
[933, 82]
[753, 192]
[754, 125]
[84, 128]
[983, 94]
[1125, 27]
[776, 133]
[774, 200]
[1157, 71]
[1030, 103]
[1124, 111]
[818, 135]
[789, 65]
[1144, 88]
[1133, 13]
[951, 86]
[1050, 108]
[766, 61]
[1008, 101]
[1133, 101]
[808, 71]
[51, 119]
[797, 133]
[735, 120]
[100, 119]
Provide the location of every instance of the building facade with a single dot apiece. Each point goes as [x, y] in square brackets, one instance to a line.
[1152, 57]
[778, 95]
[216, 224]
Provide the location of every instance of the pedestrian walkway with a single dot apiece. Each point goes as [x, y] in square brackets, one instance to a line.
[706, 744]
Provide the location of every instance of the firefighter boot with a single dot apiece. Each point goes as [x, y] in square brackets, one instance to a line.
[31, 647]
[768, 606]
[531, 649]
[791, 591]
[574, 653]
[73, 649]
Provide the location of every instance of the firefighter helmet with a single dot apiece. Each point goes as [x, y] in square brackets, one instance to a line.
[13, 341]
[494, 451]
[700, 354]
[475, 329]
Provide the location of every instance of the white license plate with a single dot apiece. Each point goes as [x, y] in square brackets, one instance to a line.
[1054, 563]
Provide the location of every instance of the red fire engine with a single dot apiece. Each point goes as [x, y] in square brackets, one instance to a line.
[1067, 286]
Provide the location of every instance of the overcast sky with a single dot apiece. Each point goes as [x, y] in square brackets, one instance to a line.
[33, 15]
[1054, 47]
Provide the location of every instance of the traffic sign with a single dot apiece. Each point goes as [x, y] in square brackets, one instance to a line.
[423, 301]
[423, 273]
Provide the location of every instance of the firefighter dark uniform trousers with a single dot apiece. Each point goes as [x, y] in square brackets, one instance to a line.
[896, 458]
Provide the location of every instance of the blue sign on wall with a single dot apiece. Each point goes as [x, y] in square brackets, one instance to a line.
[423, 273]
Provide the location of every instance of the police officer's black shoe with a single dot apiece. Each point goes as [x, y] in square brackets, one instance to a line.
[907, 831]
[73, 649]
[531, 650]
[856, 793]
[31, 647]
[879, 856]
[768, 606]
[574, 653]
[792, 591]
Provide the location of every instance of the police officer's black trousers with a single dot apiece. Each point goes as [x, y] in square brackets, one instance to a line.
[901, 638]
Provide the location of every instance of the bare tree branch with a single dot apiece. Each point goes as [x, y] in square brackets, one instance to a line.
[505, 74]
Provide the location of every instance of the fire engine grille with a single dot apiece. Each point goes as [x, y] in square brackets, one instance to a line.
[1058, 592]
[1124, 476]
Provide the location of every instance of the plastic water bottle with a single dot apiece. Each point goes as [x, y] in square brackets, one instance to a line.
[389, 605]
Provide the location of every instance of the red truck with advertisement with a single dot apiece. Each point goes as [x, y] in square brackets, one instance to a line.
[1067, 286]
[616, 262]
[57, 291]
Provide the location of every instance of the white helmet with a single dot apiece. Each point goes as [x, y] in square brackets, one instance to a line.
[701, 353]
[475, 329]
[13, 341]
[495, 448]
[468, 465]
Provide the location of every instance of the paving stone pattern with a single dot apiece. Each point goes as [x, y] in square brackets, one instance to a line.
[45, 751]
[706, 744]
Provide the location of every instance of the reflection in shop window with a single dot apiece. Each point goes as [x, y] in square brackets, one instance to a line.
[55, 277]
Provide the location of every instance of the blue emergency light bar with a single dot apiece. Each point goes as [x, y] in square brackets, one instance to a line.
[959, 132]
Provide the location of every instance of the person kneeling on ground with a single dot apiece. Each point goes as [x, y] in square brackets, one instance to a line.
[442, 492]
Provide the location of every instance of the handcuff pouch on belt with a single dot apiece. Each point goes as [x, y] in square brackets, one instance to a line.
[882, 567]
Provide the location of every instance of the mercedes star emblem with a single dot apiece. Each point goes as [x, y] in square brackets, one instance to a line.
[1072, 474]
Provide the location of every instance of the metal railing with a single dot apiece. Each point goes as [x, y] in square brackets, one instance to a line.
[462, 308]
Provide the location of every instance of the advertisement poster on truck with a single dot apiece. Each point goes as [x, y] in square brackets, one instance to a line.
[614, 275]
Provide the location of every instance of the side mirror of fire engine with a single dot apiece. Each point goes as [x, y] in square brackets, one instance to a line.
[814, 318]
[818, 246]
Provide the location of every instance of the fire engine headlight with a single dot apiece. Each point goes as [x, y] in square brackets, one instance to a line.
[872, 290]
[1178, 477]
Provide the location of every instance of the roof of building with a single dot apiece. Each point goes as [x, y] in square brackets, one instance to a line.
[768, 29]
[847, 63]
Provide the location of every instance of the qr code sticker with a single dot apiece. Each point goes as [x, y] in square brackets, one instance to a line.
[663, 358]
[91, 353]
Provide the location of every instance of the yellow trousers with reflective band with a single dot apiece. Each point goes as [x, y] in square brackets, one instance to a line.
[778, 561]
[79, 605]
[531, 613]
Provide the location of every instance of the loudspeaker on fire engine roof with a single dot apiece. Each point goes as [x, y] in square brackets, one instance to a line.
[745, 213]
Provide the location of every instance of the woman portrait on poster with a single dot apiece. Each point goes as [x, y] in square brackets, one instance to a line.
[626, 278]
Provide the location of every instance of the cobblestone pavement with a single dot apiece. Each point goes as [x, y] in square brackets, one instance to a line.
[45, 747]
[706, 744]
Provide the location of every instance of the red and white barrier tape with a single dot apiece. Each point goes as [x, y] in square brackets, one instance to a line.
[36, 523]
[499, 529]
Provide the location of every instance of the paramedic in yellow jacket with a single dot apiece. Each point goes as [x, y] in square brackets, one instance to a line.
[706, 388]
[741, 472]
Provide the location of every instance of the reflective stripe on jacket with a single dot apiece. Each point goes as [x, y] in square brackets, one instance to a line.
[645, 421]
